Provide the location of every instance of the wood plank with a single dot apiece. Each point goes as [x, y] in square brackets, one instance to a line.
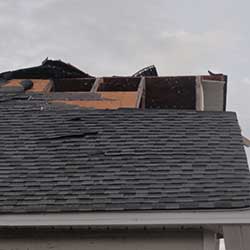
[199, 94]
[95, 86]
[141, 94]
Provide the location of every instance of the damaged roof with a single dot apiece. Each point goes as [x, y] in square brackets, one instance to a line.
[61, 160]
[61, 153]
[57, 69]
[143, 89]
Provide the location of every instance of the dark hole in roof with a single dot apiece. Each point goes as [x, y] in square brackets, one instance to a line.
[148, 71]
[75, 119]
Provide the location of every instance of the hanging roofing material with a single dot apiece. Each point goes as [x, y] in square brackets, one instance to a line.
[48, 69]
[147, 71]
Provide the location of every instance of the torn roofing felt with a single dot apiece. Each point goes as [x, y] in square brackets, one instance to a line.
[57, 69]
[148, 71]
[67, 160]
[54, 69]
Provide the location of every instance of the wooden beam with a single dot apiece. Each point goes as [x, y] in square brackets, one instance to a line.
[96, 84]
[199, 94]
[141, 94]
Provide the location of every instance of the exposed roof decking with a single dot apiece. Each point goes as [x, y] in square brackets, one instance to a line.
[181, 92]
[39, 85]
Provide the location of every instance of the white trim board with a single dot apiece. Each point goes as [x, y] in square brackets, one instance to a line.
[128, 218]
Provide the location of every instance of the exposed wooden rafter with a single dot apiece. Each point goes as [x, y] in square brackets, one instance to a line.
[141, 94]
[199, 94]
[95, 86]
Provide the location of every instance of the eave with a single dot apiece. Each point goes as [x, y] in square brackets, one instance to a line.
[132, 219]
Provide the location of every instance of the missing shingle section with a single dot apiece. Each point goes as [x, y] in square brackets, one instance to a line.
[69, 136]
[75, 119]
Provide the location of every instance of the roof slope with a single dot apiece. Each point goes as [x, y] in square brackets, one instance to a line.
[54, 160]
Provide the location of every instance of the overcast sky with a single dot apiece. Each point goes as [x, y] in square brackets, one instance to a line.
[114, 37]
[119, 37]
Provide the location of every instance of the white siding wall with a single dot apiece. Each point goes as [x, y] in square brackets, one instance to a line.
[181, 240]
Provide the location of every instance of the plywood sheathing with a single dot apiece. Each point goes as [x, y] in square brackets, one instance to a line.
[126, 92]
[90, 104]
[116, 92]
[39, 85]
[111, 100]
[199, 94]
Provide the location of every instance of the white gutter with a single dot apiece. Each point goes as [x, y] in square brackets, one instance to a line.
[128, 218]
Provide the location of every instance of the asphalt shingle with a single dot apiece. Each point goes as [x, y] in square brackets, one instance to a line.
[56, 159]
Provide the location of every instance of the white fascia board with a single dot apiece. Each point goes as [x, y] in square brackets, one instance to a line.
[128, 218]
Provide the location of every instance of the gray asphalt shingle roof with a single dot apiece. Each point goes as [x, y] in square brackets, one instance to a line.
[61, 160]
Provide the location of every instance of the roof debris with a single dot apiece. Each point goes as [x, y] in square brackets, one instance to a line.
[148, 71]
[145, 89]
